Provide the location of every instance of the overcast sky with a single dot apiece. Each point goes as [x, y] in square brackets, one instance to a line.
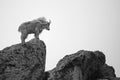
[76, 25]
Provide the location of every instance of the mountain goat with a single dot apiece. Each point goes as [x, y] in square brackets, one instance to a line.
[33, 27]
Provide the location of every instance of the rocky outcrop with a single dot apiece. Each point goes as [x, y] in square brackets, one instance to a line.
[83, 65]
[27, 62]
[23, 62]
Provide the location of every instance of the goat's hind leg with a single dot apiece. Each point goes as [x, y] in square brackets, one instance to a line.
[23, 37]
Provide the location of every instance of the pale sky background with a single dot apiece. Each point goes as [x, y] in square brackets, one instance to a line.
[76, 25]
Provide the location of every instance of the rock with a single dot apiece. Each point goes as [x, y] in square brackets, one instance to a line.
[46, 75]
[114, 78]
[23, 62]
[83, 65]
[106, 72]
[102, 79]
[27, 62]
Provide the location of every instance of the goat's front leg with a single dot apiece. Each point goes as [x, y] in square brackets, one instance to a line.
[37, 34]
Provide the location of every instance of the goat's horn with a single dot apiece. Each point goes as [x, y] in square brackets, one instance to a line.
[49, 21]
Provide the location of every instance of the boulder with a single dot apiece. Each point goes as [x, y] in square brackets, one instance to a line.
[23, 61]
[82, 65]
[113, 78]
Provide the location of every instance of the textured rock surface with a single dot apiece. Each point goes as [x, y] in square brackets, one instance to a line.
[114, 78]
[83, 65]
[27, 62]
[23, 62]
[106, 72]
